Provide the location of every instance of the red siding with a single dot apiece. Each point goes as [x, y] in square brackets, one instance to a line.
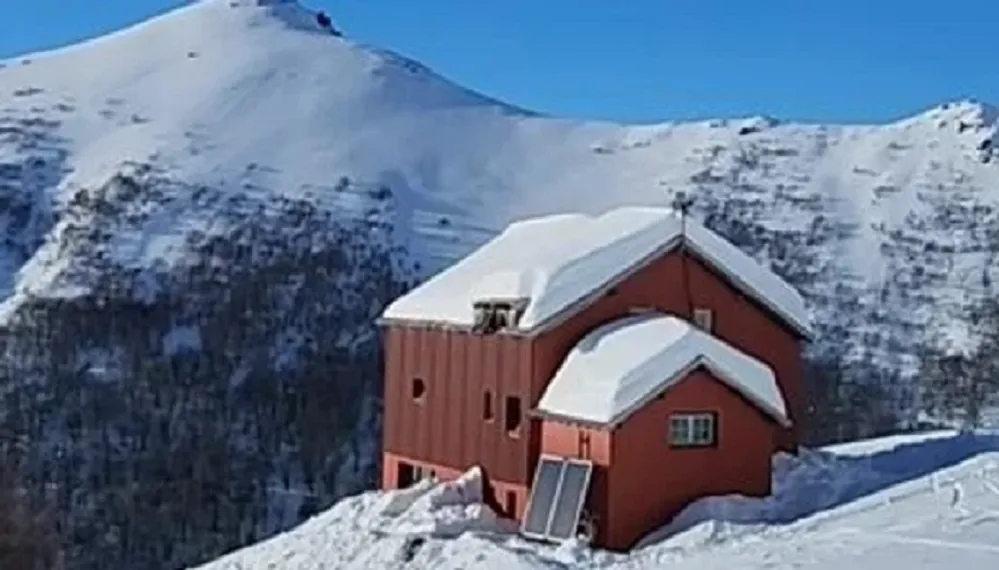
[565, 440]
[738, 320]
[640, 483]
[649, 482]
[448, 428]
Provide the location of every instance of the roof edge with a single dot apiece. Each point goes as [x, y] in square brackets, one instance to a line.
[584, 302]
[804, 331]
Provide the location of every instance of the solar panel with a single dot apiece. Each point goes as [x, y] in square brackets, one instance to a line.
[557, 498]
[539, 507]
[569, 504]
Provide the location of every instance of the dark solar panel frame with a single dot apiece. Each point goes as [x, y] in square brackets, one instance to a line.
[551, 503]
[544, 493]
[569, 504]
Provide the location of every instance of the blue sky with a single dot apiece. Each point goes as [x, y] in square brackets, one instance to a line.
[644, 60]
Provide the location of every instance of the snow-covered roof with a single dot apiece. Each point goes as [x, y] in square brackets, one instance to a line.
[620, 366]
[556, 261]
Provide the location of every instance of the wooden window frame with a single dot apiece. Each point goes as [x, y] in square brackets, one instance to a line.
[685, 430]
[488, 407]
[702, 314]
[511, 403]
[418, 389]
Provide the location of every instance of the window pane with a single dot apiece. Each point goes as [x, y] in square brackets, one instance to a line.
[679, 430]
[692, 429]
[512, 413]
[704, 429]
[683, 431]
[542, 496]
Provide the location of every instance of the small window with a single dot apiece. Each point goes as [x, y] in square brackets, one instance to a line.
[406, 475]
[703, 318]
[481, 313]
[487, 406]
[502, 318]
[693, 430]
[511, 504]
[584, 445]
[425, 473]
[419, 389]
[513, 418]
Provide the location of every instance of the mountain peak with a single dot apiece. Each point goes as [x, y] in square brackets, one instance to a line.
[970, 112]
[201, 45]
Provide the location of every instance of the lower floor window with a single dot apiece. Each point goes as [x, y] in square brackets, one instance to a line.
[423, 472]
[511, 504]
[693, 430]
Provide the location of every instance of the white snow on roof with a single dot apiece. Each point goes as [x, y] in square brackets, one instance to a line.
[555, 261]
[619, 366]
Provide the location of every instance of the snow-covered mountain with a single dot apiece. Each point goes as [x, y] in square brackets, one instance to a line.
[202, 213]
[926, 502]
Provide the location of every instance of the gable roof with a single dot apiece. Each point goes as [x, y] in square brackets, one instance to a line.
[556, 261]
[618, 367]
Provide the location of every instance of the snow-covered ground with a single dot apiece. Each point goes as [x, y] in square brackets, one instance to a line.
[910, 502]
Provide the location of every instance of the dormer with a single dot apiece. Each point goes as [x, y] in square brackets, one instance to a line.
[494, 315]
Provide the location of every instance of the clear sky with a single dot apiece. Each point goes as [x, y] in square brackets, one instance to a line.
[644, 60]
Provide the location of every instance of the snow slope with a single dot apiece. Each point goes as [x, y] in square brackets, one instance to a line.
[916, 502]
[874, 223]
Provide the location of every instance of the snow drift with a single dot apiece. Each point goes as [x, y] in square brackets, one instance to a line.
[934, 496]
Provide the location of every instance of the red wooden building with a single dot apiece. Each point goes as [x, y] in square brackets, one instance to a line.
[604, 371]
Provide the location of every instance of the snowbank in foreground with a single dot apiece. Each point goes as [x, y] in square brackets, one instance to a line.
[817, 480]
[445, 510]
[898, 498]
[378, 530]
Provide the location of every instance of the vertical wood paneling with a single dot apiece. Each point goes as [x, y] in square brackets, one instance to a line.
[471, 443]
[414, 344]
[455, 420]
[449, 429]
[501, 450]
[390, 420]
[489, 438]
[409, 348]
[443, 385]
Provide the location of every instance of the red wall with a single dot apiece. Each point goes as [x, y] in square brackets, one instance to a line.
[448, 427]
[641, 483]
[737, 319]
[649, 482]
[565, 440]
